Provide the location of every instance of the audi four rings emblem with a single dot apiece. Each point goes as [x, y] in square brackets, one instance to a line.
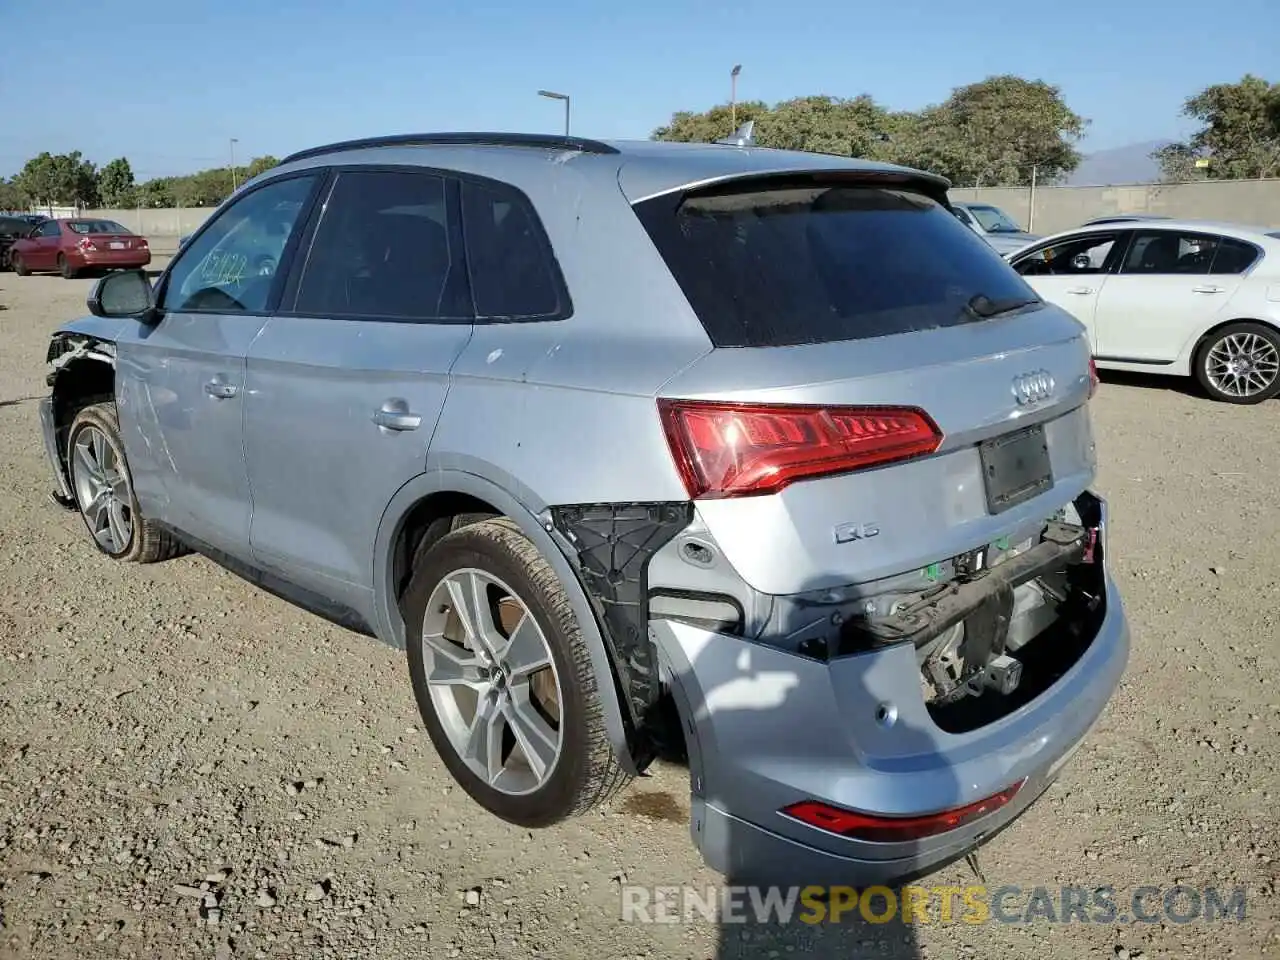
[1033, 387]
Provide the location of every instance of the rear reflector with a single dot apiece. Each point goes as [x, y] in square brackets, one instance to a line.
[745, 449]
[1093, 378]
[864, 826]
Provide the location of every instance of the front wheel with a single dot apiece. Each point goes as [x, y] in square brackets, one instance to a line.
[1240, 363]
[103, 490]
[18, 266]
[503, 678]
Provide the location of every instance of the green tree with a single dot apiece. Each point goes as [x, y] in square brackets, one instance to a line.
[260, 165]
[716, 123]
[1239, 132]
[61, 179]
[115, 184]
[994, 132]
[12, 196]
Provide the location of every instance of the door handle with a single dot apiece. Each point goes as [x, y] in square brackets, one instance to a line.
[1206, 289]
[396, 415]
[1081, 290]
[219, 389]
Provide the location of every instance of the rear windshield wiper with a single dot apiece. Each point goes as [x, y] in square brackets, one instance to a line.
[982, 307]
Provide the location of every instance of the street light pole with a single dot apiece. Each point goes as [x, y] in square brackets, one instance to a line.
[234, 141]
[552, 95]
[733, 94]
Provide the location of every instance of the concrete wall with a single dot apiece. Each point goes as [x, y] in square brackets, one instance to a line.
[1061, 208]
[1057, 208]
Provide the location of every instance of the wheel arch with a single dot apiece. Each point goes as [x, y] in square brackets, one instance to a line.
[82, 372]
[464, 485]
[1189, 353]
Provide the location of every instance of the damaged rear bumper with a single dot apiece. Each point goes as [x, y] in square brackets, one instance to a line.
[767, 729]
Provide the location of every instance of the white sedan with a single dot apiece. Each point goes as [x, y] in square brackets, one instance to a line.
[1177, 297]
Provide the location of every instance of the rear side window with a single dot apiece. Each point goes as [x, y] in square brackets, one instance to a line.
[512, 267]
[383, 250]
[1234, 256]
[781, 265]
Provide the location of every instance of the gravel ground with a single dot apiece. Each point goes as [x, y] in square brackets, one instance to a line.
[190, 767]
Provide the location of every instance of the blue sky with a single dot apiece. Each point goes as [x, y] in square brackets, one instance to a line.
[169, 82]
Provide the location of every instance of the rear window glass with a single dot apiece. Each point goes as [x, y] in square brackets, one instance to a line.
[96, 226]
[781, 265]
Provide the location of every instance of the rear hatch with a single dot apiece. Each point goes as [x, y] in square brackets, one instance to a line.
[885, 391]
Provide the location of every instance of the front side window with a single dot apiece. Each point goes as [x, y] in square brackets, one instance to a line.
[383, 251]
[231, 266]
[1168, 251]
[49, 229]
[1070, 256]
[767, 265]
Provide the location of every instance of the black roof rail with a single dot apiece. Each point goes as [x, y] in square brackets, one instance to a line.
[549, 141]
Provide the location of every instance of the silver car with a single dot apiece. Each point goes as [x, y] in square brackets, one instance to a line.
[993, 225]
[755, 458]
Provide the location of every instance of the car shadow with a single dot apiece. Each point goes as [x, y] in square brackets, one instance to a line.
[771, 700]
[1186, 386]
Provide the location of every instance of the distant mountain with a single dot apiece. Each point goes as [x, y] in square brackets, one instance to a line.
[1127, 164]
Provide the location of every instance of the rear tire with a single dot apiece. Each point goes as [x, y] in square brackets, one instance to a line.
[1240, 363]
[493, 564]
[64, 267]
[103, 491]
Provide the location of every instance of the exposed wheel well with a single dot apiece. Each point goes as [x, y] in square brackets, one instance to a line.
[1209, 334]
[428, 521]
[82, 382]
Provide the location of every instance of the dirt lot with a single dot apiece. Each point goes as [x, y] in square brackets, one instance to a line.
[161, 724]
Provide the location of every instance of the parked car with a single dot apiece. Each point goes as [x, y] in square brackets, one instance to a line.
[73, 245]
[745, 453]
[1124, 218]
[11, 230]
[993, 225]
[1176, 297]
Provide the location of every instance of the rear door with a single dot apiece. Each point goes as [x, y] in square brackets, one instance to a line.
[1072, 271]
[848, 299]
[1167, 291]
[346, 383]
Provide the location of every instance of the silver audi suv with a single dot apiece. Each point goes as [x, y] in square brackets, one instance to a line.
[757, 459]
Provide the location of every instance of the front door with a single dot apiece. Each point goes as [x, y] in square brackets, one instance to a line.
[180, 383]
[347, 381]
[1169, 289]
[1071, 273]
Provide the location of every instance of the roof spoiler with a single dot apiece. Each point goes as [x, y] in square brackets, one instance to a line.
[744, 136]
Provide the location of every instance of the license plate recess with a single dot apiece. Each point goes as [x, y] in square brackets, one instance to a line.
[1015, 467]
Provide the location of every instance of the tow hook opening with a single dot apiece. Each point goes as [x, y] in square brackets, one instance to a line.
[1005, 626]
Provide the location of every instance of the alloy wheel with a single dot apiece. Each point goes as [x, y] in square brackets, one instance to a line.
[102, 490]
[493, 681]
[1242, 364]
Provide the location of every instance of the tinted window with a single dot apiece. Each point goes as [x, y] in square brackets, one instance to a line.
[512, 267]
[1069, 256]
[1234, 256]
[230, 267]
[96, 226]
[49, 229]
[13, 227]
[383, 250]
[1167, 251]
[816, 263]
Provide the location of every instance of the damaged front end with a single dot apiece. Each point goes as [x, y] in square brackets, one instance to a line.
[81, 371]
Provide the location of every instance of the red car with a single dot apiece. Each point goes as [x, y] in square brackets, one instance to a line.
[74, 244]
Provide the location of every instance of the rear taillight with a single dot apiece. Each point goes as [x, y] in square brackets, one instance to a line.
[87, 244]
[877, 829]
[1093, 378]
[746, 449]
